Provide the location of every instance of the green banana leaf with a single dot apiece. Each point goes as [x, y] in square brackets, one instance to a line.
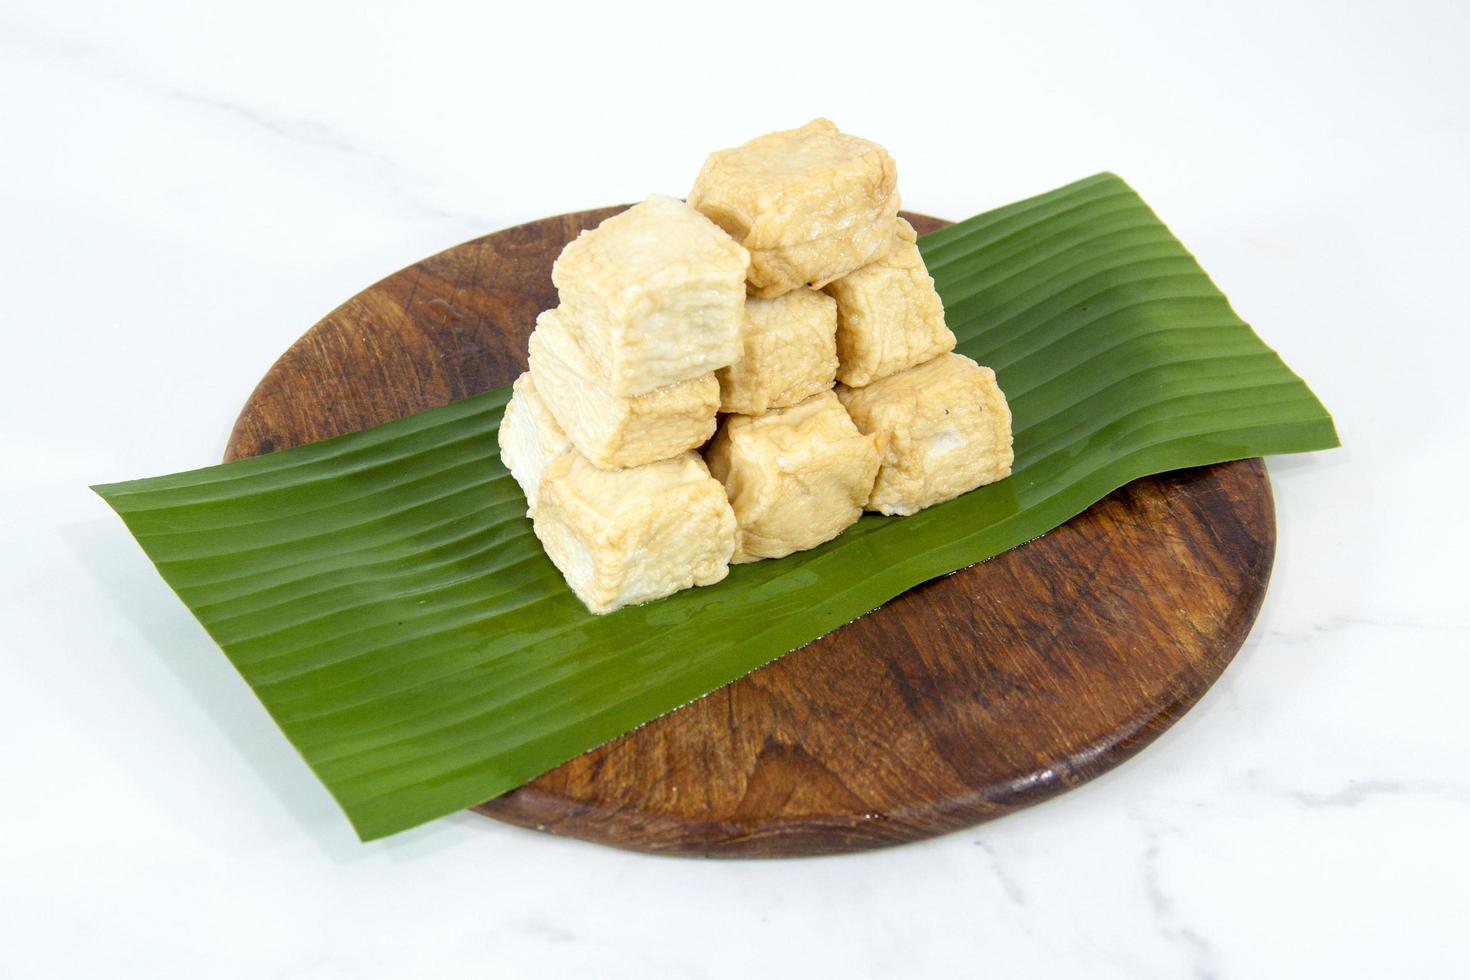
[383, 593]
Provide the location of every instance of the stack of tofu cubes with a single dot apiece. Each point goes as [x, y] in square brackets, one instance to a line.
[784, 311]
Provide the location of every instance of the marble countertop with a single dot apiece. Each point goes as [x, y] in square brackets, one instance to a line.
[185, 188]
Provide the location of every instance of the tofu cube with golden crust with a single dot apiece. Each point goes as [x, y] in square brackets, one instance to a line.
[809, 204]
[621, 537]
[889, 318]
[611, 430]
[943, 428]
[789, 353]
[655, 294]
[795, 476]
[529, 438]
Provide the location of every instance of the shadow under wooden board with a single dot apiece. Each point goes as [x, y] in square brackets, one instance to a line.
[963, 699]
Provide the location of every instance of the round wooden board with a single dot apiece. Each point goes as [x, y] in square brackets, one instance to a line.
[968, 697]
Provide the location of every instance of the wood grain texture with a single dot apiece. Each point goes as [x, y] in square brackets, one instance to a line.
[964, 699]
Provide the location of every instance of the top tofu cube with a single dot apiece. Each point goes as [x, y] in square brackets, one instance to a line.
[889, 318]
[810, 204]
[655, 295]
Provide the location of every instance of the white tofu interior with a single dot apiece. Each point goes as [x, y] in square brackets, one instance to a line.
[529, 438]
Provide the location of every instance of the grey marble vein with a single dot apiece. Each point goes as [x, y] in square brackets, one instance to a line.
[1194, 946]
[102, 64]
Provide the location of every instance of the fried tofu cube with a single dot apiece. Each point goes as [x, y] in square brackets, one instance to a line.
[795, 477]
[655, 294]
[789, 353]
[621, 537]
[529, 438]
[943, 427]
[616, 430]
[889, 318]
[810, 204]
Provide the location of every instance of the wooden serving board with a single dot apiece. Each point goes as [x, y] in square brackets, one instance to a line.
[966, 698]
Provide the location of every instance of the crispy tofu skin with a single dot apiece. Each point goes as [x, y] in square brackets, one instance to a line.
[529, 438]
[615, 431]
[656, 295]
[889, 318]
[943, 427]
[621, 537]
[789, 353]
[795, 476]
[809, 204]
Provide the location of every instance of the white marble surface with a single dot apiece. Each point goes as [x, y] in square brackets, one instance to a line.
[186, 187]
